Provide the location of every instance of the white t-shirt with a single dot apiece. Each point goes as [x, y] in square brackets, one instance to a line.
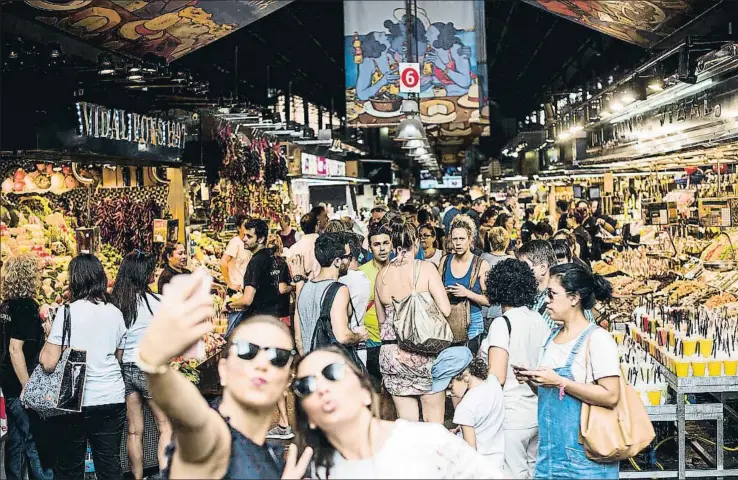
[359, 289]
[98, 329]
[603, 356]
[529, 333]
[436, 258]
[305, 246]
[132, 338]
[239, 260]
[416, 450]
[483, 408]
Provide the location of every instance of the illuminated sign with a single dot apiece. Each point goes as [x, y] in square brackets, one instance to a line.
[321, 166]
[117, 124]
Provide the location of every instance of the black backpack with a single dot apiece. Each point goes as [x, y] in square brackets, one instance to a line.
[323, 335]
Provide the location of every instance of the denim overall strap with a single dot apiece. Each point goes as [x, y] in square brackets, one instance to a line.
[554, 331]
[560, 455]
[578, 346]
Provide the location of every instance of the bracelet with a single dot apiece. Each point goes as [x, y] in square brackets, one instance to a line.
[299, 278]
[561, 391]
[148, 368]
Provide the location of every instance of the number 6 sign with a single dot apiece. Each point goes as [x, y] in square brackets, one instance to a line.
[409, 78]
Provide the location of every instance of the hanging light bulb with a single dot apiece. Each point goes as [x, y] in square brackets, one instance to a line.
[418, 152]
[410, 129]
[106, 64]
[413, 144]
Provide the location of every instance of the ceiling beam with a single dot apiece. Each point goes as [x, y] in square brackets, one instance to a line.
[502, 34]
[538, 48]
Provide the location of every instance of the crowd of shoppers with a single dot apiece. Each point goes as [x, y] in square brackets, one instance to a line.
[515, 375]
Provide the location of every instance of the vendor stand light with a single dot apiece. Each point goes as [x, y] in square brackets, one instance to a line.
[106, 64]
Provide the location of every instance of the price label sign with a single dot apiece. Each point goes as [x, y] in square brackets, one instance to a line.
[409, 78]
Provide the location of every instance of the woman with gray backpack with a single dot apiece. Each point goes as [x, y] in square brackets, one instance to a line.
[410, 298]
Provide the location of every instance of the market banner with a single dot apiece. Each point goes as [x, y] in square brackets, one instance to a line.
[446, 38]
[168, 28]
[643, 23]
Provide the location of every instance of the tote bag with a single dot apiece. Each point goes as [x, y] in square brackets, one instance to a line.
[460, 317]
[419, 325]
[613, 434]
[61, 391]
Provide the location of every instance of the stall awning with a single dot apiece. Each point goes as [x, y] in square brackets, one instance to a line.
[332, 181]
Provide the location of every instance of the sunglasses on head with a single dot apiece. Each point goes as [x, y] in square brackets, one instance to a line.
[278, 357]
[307, 385]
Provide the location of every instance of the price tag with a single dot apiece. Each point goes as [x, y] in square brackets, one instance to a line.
[725, 217]
[663, 217]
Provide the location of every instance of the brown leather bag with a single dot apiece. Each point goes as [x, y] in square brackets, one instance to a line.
[613, 434]
[460, 316]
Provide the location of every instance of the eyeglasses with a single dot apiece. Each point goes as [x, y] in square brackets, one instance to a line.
[307, 385]
[278, 357]
[551, 294]
[426, 235]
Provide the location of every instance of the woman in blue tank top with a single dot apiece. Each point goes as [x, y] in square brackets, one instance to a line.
[464, 276]
[230, 440]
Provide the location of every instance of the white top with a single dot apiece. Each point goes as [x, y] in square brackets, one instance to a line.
[416, 450]
[305, 246]
[98, 329]
[436, 258]
[483, 408]
[132, 338]
[603, 356]
[359, 288]
[529, 332]
[239, 260]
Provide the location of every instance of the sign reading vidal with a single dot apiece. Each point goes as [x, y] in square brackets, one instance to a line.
[443, 43]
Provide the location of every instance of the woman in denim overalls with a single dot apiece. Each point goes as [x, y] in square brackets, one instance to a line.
[572, 290]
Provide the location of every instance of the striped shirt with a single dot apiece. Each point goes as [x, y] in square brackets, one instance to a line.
[539, 305]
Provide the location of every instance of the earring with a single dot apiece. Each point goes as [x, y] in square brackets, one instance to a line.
[368, 402]
[312, 426]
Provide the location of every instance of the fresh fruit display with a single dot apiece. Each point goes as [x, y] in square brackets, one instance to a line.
[42, 179]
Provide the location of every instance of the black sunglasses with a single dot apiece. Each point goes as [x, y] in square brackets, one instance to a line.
[279, 357]
[307, 385]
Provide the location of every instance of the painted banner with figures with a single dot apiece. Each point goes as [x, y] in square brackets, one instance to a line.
[445, 41]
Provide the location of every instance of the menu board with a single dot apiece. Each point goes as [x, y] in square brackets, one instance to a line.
[660, 213]
[718, 212]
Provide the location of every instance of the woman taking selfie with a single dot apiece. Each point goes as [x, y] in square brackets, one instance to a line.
[563, 379]
[337, 415]
[133, 296]
[229, 442]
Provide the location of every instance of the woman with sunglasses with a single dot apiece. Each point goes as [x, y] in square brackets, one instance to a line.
[564, 379]
[337, 415]
[230, 441]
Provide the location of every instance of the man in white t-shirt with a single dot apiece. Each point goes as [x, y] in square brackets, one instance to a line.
[518, 341]
[236, 258]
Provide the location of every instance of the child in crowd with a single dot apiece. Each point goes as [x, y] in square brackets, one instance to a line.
[480, 412]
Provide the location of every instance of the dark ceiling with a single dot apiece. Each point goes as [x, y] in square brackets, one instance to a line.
[299, 48]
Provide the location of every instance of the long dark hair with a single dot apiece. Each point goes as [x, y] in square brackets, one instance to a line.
[314, 437]
[87, 279]
[132, 285]
[577, 280]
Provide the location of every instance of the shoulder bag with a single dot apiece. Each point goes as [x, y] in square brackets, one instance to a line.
[61, 391]
[613, 434]
[419, 325]
[323, 334]
[460, 317]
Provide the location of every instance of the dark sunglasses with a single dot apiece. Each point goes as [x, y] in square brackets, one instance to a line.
[307, 385]
[279, 357]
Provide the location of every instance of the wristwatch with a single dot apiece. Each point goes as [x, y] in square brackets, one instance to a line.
[148, 368]
[299, 278]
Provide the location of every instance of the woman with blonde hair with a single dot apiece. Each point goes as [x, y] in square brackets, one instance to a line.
[337, 416]
[463, 275]
[22, 336]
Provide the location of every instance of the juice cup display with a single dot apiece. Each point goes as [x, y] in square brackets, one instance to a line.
[663, 335]
[672, 338]
[690, 346]
[652, 348]
[731, 367]
[715, 367]
[618, 336]
[682, 367]
[698, 367]
[706, 347]
[654, 396]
